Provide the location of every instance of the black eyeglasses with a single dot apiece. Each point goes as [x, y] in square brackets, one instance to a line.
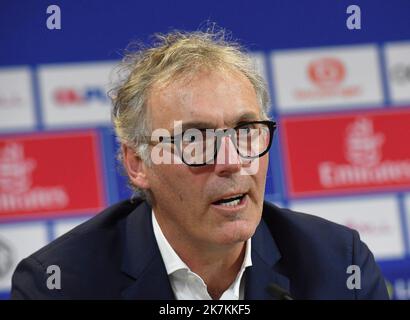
[199, 147]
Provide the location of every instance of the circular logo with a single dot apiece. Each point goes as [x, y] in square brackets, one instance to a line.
[6, 258]
[326, 72]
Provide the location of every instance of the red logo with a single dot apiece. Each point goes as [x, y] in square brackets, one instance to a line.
[50, 174]
[10, 101]
[326, 72]
[70, 96]
[347, 153]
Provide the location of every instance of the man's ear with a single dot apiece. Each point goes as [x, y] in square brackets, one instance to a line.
[135, 167]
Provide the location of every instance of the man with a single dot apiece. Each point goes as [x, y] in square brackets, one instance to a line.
[191, 117]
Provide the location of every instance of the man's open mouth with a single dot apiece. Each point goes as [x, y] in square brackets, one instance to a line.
[231, 201]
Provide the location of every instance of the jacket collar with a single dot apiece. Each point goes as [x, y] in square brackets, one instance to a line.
[265, 260]
[142, 260]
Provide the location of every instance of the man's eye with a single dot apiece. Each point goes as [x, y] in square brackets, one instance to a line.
[246, 129]
[189, 138]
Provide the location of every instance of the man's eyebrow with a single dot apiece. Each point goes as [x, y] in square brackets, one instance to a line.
[247, 116]
[197, 125]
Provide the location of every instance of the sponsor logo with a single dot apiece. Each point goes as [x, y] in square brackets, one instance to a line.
[10, 100]
[370, 228]
[376, 218]
[398, 69]
[16, 187]
[363, 160]
[348, 153]
[75, 94]
[16, 101]
[79, 97]
[6, 258]
[49, 174]
[400, 73]
[326, 72]
[399, 289]
[327, 75]
[14, 84]
[328, 78]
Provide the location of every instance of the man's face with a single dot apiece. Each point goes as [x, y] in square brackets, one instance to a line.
[184, 197]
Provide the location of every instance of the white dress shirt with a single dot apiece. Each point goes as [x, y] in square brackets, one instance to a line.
[187, 285]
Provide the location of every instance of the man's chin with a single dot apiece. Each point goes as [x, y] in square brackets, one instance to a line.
[233, 234]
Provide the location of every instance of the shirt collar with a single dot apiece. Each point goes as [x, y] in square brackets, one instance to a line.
[174, 263]
[171, 259]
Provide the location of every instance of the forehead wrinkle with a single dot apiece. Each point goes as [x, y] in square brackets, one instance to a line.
[183, 101]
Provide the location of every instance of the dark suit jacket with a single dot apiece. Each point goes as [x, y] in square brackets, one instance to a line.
[115, 256]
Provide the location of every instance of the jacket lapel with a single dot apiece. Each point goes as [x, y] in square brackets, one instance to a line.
[142, 259]
[265, 258]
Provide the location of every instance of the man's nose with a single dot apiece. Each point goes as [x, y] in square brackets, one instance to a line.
[228, 160]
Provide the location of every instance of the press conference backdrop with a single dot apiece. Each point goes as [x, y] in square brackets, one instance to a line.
[341, 98]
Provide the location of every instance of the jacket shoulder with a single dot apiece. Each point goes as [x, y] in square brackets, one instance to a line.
[98, 227]
[316, 254]
[88, 252]
[300, 225]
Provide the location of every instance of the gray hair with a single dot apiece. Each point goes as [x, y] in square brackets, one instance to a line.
[173, 55]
